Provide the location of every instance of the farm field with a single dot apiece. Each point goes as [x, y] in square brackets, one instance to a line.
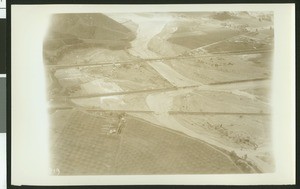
[108, 78]
[159, 154]
[240, 44]
[214, 101]
[94, 55]
[214, 69]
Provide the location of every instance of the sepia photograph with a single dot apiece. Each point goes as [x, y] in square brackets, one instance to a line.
[160, 93]
[151, 92]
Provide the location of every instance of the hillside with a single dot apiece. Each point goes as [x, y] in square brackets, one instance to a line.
[69, 31]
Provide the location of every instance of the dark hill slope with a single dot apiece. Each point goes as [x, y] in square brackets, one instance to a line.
[69, 31]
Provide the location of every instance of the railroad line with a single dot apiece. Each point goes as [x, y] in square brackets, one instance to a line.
[170, 112]
[212, 86]
[156, 59]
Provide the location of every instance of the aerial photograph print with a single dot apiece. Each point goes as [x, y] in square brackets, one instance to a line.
[160, 93]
